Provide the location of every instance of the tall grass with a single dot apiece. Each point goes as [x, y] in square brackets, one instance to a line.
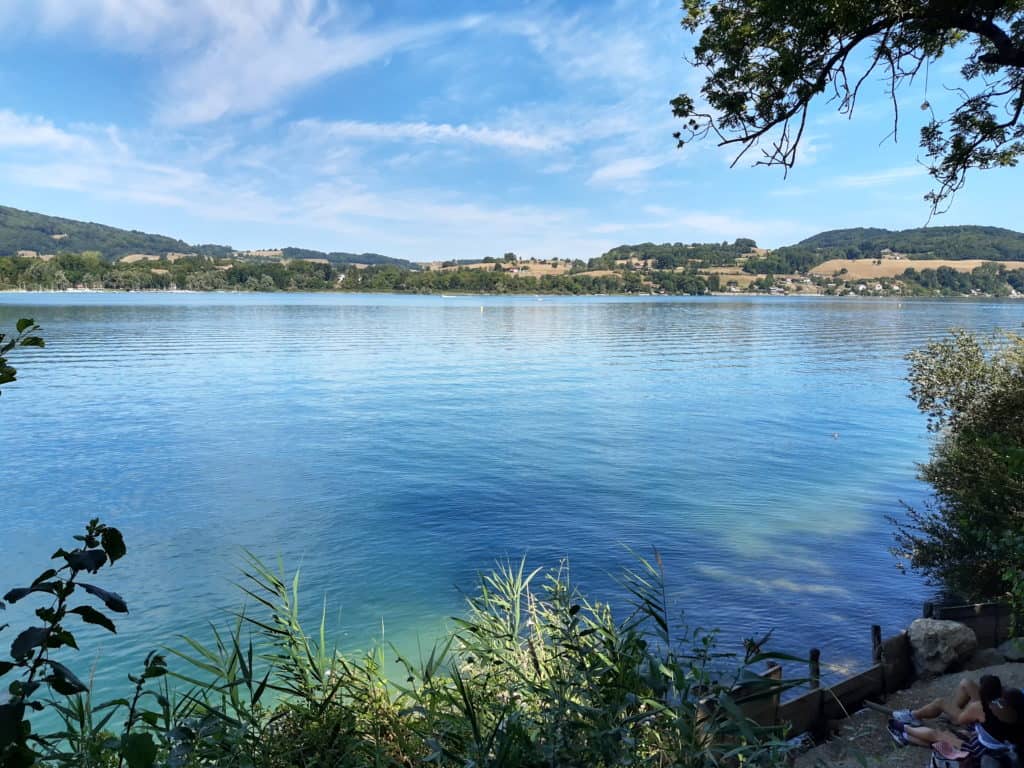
[533, 674]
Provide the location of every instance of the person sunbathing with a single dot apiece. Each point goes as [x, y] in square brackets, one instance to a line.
[963, 708]
[1000, 730]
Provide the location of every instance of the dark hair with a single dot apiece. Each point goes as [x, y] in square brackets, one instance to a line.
[1013, 698]
[990, 688]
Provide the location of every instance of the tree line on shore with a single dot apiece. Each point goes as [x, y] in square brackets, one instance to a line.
[91, 271]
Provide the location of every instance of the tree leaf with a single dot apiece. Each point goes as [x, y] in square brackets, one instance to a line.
[150, 718]
[91, 616]
[90, 560]
[16, 594]
[32, 341]
[139, 750]
[11, 716]
[5, 667]
[112, 703]
[112, 600]
[113, 544]
[33, 637]
[24, 324]
[63, 680]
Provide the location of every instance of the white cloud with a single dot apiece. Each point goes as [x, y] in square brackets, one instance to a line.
[880, 178]
[28, 131]
[696, 226]
[431, 133]
[97, 161]
[256, 62]
[227, 58]
[624, 169]
[380, 213]
[583, 48]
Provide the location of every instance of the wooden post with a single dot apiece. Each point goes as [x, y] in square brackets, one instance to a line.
[876, 643]
[815, 667]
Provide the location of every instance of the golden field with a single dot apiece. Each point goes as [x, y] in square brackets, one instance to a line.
[866, 269]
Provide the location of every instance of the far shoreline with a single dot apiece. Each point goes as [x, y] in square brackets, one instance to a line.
[534, 295]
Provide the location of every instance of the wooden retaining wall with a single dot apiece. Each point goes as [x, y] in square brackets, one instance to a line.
[892, 670]
[990, 621]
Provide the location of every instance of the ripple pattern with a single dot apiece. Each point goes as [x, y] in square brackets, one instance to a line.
[391, 447]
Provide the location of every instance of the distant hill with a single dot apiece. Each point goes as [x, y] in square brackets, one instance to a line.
[341, 257]
[947, 243]
[966, 242]
[28, 231]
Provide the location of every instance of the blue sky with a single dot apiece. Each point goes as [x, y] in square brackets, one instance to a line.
[422, 130]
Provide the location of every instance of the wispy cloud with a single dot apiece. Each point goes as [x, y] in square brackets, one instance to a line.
[581, 48]
[697, 225]
[224, 58]
[880, 178]
[624, 169]
[254, 65]
[430, 133]
[99, 162]
[30, 131]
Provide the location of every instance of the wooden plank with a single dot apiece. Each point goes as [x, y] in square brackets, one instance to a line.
[763, 710]
[964, 612]
[802, 713]
[846, 697]
[897, 669]
[985, 628]
[1003, 629]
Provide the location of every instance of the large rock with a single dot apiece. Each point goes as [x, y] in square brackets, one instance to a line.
[936, 645]
[1013, 649]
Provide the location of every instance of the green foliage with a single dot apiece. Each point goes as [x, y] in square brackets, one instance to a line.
[532, 675]
[341, 258]
[971, 535]
[767, 62]
[30, 654]
[960, 242]
[24, 336]
[27, 231]
[674, 255]
[67, 238]
[990, 279]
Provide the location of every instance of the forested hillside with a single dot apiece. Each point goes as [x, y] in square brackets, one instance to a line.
[953, 243]
[27, 231]
[341, 258]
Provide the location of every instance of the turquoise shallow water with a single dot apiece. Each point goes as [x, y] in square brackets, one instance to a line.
[393, 446]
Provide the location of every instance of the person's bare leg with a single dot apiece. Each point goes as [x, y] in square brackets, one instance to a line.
[930, 710]
[923, 736]
[966, 692]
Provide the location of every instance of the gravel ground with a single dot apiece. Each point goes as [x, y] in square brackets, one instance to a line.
[864, 741]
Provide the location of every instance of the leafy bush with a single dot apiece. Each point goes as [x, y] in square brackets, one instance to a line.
[31, 650]
[970, 535]
[532, 675]
[24, 337]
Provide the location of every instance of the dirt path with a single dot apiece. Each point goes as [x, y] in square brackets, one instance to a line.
[864, 741]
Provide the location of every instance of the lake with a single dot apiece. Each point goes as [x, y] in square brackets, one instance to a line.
[391, 447]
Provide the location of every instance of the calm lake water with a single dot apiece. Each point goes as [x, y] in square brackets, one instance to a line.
[391, 447]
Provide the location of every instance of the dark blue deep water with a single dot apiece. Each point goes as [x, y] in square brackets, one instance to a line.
[391, 447]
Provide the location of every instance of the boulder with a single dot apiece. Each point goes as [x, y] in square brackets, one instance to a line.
[1013, 649]
[984, 657]
[937, 645]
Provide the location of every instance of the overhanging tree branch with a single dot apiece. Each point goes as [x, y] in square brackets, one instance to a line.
[767, 62]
